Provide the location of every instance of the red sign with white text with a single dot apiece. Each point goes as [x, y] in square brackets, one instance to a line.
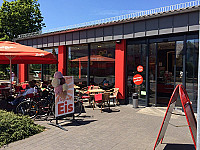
[138, 79]
[64, 102]
[140, 68]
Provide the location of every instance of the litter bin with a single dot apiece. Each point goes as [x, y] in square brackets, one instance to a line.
[135, 100]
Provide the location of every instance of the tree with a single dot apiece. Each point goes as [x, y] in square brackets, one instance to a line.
[19, 17]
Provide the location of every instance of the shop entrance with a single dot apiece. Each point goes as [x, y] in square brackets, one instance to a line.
[166, 70]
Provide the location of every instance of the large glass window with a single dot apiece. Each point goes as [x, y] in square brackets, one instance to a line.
[192, 70]
[102, 64]
[136, 56]
[77, 64]
[50, 69]
[152, 73]
[34, 70]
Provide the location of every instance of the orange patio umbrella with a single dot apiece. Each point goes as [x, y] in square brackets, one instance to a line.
[15, 53]
[97, 58]
[94, 58]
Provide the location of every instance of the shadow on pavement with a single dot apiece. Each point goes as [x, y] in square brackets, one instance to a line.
[111, 110]
[179, 147]
[78, 122]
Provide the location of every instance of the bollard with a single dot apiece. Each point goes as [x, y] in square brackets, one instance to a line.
[135, 100]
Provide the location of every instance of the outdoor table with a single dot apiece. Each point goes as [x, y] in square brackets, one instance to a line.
[5, 83]
[96, 91]
[76, 87]
[93, 92]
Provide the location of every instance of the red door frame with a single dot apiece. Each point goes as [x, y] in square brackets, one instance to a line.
[120, 65]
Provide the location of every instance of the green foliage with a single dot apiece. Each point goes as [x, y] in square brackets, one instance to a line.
[14, 127]
[19, 17]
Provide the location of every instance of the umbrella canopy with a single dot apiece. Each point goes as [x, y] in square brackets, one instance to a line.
[21, 54]
[94, 58]
[15, 53]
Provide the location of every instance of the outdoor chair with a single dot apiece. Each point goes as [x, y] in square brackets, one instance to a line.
[98, 98]
[114, 94]
[106, 99]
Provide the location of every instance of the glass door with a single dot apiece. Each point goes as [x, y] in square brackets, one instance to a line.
[165, 71]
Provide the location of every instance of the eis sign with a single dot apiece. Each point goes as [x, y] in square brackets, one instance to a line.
[64, 102]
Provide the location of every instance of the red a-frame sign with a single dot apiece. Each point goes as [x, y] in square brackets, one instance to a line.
[179, 90]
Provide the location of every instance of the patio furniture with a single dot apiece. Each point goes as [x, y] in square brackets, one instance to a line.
[106, 99]
[102, 99]
[98, 98]
[15, 53]
[114, 94]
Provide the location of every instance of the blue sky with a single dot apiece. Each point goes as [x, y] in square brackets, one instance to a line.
[60, 13]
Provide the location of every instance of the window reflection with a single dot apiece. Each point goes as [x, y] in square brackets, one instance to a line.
[192, 70]
[136, 55]
[34, 70]
[77, 64]
[102, 64]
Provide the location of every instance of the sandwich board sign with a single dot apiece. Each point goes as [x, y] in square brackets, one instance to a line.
[186, 104]
[64, 102]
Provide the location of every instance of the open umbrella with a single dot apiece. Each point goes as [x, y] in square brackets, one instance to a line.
[96, 58]
[15, 53]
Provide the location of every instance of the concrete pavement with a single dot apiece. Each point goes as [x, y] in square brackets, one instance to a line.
[124, 128]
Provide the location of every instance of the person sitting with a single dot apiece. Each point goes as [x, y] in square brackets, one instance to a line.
[20, 97]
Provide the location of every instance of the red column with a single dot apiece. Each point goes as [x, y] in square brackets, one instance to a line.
[23, 72]
[62, 53]
[120, 55]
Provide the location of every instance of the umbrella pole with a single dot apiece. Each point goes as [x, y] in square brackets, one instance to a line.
[10, 75]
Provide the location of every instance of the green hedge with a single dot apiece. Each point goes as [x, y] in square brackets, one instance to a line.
[14, 127]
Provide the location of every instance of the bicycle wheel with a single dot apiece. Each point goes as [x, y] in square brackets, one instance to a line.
[43, 107]
[27, 108]
[77, 108]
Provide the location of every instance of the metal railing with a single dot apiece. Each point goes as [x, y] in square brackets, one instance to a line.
[118, 18]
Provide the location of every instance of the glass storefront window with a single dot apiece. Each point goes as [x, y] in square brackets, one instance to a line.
[192, 70]
[34, 70]
[152, 73]
[102, 64]
[50, 69]
[77, 60]
[136, 55]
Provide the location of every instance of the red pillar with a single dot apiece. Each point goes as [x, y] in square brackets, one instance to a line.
[23, 72]
[62, 53]
[120, 55]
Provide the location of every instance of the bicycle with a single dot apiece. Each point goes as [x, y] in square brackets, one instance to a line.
[78, 106]
[37, 105]
[28, 106]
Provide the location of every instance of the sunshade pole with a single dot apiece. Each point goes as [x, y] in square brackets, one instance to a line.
[10, 75]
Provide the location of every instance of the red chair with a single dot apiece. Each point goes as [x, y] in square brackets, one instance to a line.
[98, 98]
[24, 86]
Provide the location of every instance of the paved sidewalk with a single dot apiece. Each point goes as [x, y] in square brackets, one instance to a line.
[125, 128]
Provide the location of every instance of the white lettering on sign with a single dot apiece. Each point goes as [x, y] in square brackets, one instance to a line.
[137, 79]
[39, 54]
[7, 47]
[140, 68]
